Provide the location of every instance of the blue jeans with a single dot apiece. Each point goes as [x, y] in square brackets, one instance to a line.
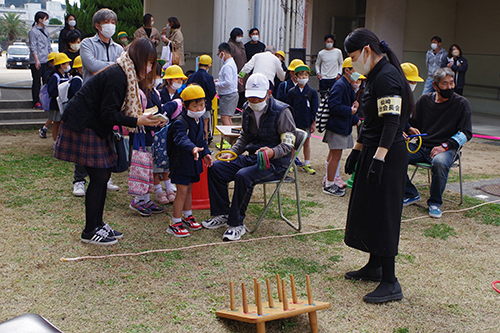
[245, 172]
[441, 164]
[428, 87]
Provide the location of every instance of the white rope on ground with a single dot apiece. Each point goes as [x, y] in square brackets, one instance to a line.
[248, 240]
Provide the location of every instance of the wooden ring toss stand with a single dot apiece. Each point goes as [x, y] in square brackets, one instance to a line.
[271, 310]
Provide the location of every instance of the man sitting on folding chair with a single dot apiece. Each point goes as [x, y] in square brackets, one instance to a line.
[446, 118]
[268, 129]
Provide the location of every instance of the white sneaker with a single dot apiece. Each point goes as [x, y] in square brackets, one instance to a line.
[215, 222]
[111, 186]
[79, 189]
[234, 233]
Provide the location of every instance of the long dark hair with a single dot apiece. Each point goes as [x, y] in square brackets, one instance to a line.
[39, 15]
[361, 37]
[141, 52]
[450, 50]
[66, 25]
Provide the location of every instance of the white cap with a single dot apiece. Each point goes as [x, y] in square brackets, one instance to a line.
[257, 86]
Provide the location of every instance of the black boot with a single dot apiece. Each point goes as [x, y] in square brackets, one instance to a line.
[366, 273]
[385, 292]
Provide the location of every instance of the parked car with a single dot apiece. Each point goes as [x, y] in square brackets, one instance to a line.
[18, 56]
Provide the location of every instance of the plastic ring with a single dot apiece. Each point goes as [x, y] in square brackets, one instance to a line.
[494, 287]
[418, 147]
[217, 156]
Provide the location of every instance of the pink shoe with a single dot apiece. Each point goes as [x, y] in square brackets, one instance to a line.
[339, 182]
[162, 197]
[171, 196]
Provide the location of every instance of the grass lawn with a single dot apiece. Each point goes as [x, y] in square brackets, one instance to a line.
[445, 266]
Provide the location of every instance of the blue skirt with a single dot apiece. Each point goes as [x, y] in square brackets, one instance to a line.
[85, 148]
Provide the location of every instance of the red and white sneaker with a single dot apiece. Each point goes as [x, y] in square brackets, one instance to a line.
[191, 223]
[178, 230]
[339, 182]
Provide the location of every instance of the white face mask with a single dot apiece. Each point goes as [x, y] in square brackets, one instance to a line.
[176, 85]
[221, 56]
[455, 53]
[75, 47]
[72, 23]
[302, 82]
[168, 26]
[255, 38]
[45, 23]
[359, 66]
[66, 69]
[108, 30]
[329, 45]
[434, 46]
[257, 107]
[239, 39]
[157, 82]
[195, 114]
[413, 86]
[355, 86]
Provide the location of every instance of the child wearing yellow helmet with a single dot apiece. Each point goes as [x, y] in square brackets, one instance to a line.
[186, 157]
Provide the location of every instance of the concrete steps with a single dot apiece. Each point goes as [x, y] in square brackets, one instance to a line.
[20, 115]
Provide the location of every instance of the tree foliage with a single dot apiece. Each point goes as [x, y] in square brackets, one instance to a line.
[129, 13]
[55, 21]
[12, 26]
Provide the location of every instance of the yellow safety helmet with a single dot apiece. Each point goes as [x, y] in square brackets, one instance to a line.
[77, 63]
[51, 56]
[205, 60]
[411, 72]
[294, 63]
[61, 58]
[347, 63]
[191, 92]
[301, 68]
[281, 53]
[361, 76]
[174, 72]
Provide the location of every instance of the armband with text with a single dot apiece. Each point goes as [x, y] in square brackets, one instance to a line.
[389, 105]
[288, 138]
[242, 74]
[460, 138]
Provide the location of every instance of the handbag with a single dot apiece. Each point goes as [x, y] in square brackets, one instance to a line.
[160, 156]
[176, 58]
[140, 179]
[166, 54]
[121, 147]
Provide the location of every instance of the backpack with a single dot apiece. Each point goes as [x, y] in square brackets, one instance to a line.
[170, 140]
[63, 89]
[323, 114]
[45, 98]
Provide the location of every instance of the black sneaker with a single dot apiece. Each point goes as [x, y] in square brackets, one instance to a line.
[112, 233]
[334, 190]
[98, 236]
[365, 274]
[43, 133]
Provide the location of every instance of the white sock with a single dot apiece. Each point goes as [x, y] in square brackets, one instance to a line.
[168, 186]
[158, 188]
[139, 198]
[337, 174]
[326, 168]
[45, 127]
[176, 220]
[146, 197]
[307, 162]
[328, 183]
[187, 213]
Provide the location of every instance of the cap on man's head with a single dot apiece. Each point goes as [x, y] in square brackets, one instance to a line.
[257, 86]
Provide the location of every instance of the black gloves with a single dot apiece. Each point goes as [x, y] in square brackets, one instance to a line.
[350, 163]
[375, 172]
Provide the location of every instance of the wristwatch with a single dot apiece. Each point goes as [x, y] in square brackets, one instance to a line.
[445, 146]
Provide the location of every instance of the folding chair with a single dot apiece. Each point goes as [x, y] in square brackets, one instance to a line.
[299, 142]
[428, 167]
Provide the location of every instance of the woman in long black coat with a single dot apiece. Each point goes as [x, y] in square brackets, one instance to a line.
[376, 203]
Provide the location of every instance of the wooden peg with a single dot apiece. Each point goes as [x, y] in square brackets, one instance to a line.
[270, 299]
[231, 295]
[244, 297]
[255, 283]
[258, 299]
[280, 294]
[285, 301]
[309, 291]
[294, 292]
